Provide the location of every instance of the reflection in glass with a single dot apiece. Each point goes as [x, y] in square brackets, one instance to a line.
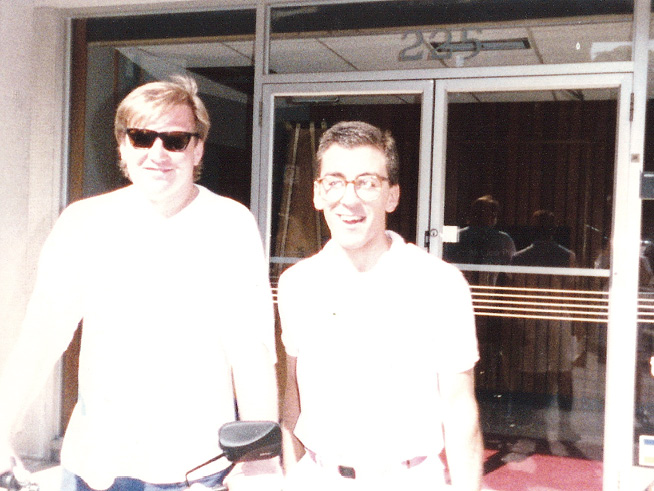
[528, 184]
[547, 165]
[644, 376]
[413, 34]
[544, 250]
[480, 242]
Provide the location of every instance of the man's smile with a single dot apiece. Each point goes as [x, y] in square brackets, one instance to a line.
[351, 219]
[158, 169]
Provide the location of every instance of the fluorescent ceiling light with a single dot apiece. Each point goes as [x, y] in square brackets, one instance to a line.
[494, 45]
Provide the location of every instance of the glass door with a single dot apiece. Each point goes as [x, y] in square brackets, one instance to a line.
[525, 191]
[295, 116]
[520, 182]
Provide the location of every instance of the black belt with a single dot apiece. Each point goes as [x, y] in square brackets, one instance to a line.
[349, 472]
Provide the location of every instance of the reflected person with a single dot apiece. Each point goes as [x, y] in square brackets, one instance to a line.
[480, 242]
[544, 251]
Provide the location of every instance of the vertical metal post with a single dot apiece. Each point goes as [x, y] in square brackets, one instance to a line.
[257, 197]
[623, 307]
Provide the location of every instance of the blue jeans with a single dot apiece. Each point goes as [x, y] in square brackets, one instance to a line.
[72, 482]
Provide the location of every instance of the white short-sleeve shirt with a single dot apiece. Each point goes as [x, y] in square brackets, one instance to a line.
[369, 348]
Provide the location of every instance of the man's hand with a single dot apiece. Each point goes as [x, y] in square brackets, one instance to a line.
[463, 441]
[12, 471]
[7, 458]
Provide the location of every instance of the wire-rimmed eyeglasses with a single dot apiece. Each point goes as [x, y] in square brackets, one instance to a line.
[368, 187]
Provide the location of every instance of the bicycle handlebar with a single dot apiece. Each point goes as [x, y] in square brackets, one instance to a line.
[8, 481]
[240, 441]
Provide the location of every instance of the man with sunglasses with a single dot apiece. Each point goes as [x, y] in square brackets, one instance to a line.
[171, 284]
[380, 341]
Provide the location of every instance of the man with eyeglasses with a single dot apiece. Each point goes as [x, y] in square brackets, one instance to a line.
[171, 284]
[380, 341]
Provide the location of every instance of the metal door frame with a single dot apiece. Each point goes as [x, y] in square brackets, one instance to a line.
[623, 292]
[622, 324]
[425, 88]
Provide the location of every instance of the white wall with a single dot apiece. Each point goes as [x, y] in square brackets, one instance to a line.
[16, 264]
[29, 186]
[14, 156]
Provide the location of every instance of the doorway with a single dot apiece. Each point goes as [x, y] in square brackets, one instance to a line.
[298, 114]
[530, 144]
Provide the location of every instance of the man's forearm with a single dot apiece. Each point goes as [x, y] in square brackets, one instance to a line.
[465, 458]
[292, 448]
[255, 385]
[464, 445]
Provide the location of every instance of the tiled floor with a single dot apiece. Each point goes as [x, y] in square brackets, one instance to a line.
[539, 446]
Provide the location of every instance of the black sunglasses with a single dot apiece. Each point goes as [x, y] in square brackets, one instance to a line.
[173, 141]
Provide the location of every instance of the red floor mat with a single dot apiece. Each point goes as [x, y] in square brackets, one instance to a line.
[544, 473]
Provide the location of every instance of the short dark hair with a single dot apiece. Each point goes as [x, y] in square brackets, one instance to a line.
[544, 223]
[352, 134]
[482, 209]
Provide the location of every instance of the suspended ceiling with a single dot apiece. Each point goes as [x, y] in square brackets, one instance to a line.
[383, 36]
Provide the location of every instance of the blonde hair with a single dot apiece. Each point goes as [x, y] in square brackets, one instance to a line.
[151, 100]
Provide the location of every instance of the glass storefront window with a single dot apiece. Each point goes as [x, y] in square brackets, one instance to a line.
[298, 230]
[644, 384]
[215, 48]
[528, 184]
[367, 36]
[536, 168]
